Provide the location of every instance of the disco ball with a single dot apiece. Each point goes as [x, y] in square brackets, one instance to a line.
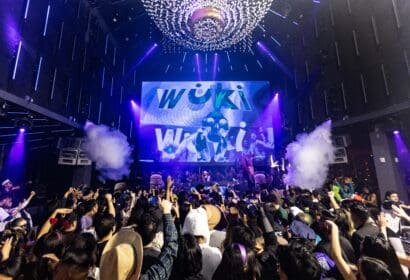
[207, 25]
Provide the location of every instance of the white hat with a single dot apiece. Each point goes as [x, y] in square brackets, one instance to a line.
[295, 211]
[5, 182]
[196, 223]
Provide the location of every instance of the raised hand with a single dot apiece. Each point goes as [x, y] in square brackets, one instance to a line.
[6, 249]
[166, 206]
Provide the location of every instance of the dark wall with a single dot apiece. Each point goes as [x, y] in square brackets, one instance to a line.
[353, 58]
[74, 52]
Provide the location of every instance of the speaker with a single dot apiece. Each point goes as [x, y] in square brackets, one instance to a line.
[340, 156]
[68, 156]
[71, 152]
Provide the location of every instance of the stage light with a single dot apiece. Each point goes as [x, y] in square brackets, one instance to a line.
[207, 25]
[215, 67]
[264, 49]
[15, 163]
[24, 123]
[396, 132]
[198, 67]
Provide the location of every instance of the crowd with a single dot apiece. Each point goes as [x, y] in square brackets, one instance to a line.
[338, 231]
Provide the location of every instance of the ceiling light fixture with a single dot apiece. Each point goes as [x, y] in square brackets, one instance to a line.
[207, 25]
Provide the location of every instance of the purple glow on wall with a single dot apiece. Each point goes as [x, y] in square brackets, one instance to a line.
[11, 32]
[16, 159]
[215, 67]
[402, 151]
[198, 66]
[274, 58]
[276, 115]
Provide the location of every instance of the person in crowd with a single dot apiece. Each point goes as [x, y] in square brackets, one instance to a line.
[174, 233]
[196, 223]
[364, 225]
[188, 264]
[238, 262]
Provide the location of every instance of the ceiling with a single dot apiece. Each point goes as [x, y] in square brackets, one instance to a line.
[134, 32]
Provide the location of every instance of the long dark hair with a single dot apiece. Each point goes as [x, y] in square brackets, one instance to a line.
[238, 262]
[189, 259]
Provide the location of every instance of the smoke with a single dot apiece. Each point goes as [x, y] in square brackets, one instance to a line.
[109, 149]
[309, 158]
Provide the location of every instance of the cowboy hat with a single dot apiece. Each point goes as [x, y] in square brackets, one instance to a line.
[122, 256]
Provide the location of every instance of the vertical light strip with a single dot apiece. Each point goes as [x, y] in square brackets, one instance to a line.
[85, 58]
[135, 77]
[103, 78]
[326, 103]
[38, 73]
[74, 47]
[315, 25]
[119, 122]
[406, 61]
[106, 44]
[337, 54]
[130, 129]
[312, 114]
[114, 56]
[342, 85]
[332, 19]
[227, 55]
[356, 44]
[46, 23]
[396, 14]
[183, 58]
[112, 85]
[99, 112]
[363, 88]
[375, 32]
[26, 10]
[259, 63]
[61, 35]
[79, 8]
[54, 83]
[386, 85]
[17, 60]
[349, 7]
[68, 93]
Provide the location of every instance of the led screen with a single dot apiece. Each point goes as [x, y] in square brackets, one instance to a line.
[205, 121]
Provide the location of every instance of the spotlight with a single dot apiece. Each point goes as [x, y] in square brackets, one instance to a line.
[24, 123]
[22, 130]
[396, 132]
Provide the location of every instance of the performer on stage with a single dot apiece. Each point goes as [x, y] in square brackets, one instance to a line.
[13, 191]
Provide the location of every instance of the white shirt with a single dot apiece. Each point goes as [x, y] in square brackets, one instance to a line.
[211, 257]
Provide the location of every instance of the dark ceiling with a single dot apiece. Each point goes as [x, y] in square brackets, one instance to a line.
[134, 32]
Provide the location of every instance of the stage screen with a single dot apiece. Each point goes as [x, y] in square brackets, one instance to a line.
[205, 121]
